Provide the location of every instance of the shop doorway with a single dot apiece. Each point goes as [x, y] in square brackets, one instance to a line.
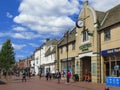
[86, 69]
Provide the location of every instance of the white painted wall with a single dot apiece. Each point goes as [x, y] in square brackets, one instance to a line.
[50, 59]
[37, 61]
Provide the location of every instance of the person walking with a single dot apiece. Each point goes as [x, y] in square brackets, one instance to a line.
[58, 76]
[40, 75]
[47, 75]
[24, 76]
[68, 76]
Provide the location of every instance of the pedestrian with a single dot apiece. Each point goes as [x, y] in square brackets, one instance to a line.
[63, 73]
[47, 75]
[68, 75]
[50, 76]
[58, 76]
[29, 74]
[40, 75]
[24, 76]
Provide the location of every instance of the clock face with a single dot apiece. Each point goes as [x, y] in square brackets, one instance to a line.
[79, 23]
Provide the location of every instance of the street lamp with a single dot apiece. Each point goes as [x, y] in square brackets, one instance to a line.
[40, 69]
[67, 58]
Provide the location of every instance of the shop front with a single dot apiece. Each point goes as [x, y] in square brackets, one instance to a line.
[88, 69]
[71, 65]
[111, 58]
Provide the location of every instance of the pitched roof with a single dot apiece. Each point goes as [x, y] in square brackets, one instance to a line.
[71, 38]
[112, 17]
[100, 16]
[51, 42]
[49, 51]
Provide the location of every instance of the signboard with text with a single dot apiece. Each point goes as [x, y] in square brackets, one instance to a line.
[111, 51]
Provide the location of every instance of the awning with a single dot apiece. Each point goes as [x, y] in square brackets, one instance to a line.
[89, 54]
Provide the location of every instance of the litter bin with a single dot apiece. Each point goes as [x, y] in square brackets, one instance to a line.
[75, 77]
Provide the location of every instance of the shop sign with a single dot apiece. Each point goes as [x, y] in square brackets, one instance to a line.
[85, 47]
[111, 51]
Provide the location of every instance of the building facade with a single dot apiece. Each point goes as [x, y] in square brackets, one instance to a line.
[37, 60]
[67, 53]
[88, 59]
[50, 56]
[45, 57]
[98, 43]
[110, 43]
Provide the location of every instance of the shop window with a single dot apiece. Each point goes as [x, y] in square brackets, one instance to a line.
[106, 59]
[112, 58]
[112, 68]
[118, 57]
[107, 35]
[107, 69]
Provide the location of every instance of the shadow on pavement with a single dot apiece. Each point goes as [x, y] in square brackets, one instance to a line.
[2, 83]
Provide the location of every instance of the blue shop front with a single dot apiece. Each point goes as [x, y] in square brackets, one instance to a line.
[112, 66]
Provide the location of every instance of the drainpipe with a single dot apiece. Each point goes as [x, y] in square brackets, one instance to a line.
[99, 47]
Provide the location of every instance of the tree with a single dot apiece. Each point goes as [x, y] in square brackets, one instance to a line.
[7, 57]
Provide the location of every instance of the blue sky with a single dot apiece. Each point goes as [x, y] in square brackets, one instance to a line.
[29, 22]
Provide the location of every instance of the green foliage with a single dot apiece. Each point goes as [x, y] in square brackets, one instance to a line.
[7, 55]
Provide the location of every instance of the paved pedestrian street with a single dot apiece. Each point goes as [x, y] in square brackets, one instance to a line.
[41, 84]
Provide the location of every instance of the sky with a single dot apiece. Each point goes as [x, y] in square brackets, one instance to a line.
[27, 23]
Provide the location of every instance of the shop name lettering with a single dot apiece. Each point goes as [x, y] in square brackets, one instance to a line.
[85, 46]
[113, 50]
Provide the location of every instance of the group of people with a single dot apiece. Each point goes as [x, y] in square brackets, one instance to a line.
[25, 74]
[58, 75]
[87, 76]
[48, 75]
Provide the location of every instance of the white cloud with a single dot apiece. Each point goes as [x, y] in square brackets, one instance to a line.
[18, 46]
[9, 15]
[25, 35]
[104, 5]
[33, 45]
[20, 57]
[18, 28]
[47, 15]
[21, 35]
[52, 15]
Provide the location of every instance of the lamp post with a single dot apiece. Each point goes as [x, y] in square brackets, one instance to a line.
[67, 58]
[40, 69]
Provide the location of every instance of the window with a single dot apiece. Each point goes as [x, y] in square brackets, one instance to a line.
[67, 47]
[73, 46]
[107, 35]
[85, 36]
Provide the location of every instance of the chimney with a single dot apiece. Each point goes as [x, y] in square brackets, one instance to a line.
[47, 39]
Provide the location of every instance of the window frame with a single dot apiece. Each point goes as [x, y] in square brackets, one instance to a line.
[85, 36]
[107, 35]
